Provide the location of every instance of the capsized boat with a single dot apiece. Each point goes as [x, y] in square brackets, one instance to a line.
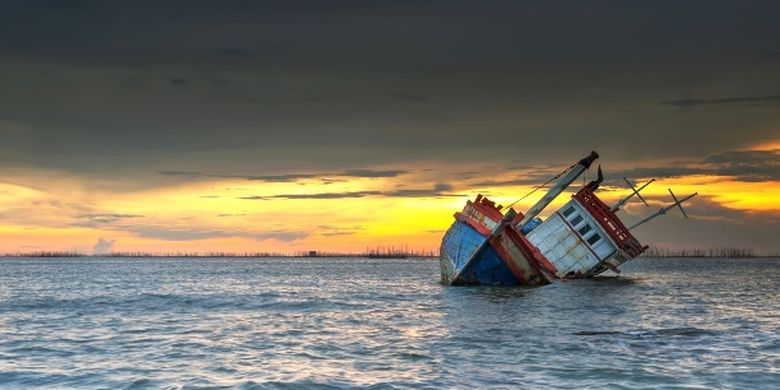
[583, 238]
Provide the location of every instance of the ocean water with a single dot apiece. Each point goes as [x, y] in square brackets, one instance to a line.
[382, 323]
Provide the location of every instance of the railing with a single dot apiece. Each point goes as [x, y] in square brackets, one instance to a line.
[610, 222]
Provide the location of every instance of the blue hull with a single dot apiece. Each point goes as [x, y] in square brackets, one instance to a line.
[487, 267]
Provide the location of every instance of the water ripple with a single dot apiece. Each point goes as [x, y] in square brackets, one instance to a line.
[372, 323]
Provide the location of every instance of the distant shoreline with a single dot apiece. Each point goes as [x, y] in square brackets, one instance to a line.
[352, 256]
[203, 256]
[378, 253]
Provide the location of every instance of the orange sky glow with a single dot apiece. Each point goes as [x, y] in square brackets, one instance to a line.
[47, 211]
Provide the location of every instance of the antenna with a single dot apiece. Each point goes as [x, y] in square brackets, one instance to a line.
[623, 201]
[677, 203]
[637, 191]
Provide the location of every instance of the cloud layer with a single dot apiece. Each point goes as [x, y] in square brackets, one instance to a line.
[154, 126]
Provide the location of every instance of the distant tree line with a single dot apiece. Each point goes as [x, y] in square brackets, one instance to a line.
[729, 253]
[399, 252]
[379, 252]
[45, 254]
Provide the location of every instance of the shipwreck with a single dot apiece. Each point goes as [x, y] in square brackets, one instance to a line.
[493, 245]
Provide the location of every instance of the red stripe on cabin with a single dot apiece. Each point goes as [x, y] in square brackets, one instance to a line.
[610, 222]
[486, 207]
[482, 229]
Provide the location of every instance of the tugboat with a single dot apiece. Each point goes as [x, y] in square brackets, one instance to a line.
[584, 238]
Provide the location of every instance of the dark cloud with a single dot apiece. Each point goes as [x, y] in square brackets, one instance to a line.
[190, 234]
[754, 165]
[362, 173]
[442, 187]
[65, 5]
[321, 195]
[531, 180]
[533, 175]
[267, 178]
[409, 97]
[332, 227]
[110, 215]
[723, 100]
[284, 85]
[280, 235]
[171, 234]
[418, 193]
[336, 234]
[456, 33]
[178, 82]
[371, 173]
[771, 56]
[184, 173]
[133, 81]
[438, 190]
[748, 165]
[233, 52]
[104, 218]
[746, 157]
[530, 174]
[651, 172]
[710, 225]
[273, 178]
[334, 231]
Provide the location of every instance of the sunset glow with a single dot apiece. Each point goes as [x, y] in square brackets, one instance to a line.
[344, 215]
[258, 136]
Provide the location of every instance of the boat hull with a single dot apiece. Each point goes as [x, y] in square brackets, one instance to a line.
[470, 257]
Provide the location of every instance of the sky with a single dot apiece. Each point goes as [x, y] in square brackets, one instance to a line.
[245, 126]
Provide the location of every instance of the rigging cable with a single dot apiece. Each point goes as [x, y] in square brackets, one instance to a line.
[539, 187]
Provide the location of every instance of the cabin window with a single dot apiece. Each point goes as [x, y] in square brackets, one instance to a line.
[576, 220]
[568, 211]
[585, 229]
[594, 239]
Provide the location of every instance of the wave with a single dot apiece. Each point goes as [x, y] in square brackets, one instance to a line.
[681, 332]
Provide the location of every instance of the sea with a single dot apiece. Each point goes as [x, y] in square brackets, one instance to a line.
[333, 323]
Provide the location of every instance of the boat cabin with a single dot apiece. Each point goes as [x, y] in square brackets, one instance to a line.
[584, 237]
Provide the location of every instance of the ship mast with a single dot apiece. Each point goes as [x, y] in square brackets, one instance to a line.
[635, 190]
[560, 186]
[677, 203]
